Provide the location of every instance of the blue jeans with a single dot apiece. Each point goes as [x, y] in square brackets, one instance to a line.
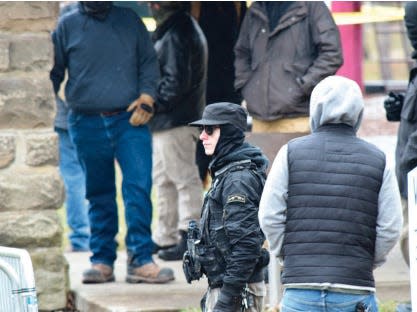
[100, 140]
[75, 202]
[310, 300]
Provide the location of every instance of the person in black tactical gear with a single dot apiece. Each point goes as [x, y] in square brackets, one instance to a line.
[230, 247]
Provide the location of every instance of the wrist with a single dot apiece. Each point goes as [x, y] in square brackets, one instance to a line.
[146, 98]
[147, 108]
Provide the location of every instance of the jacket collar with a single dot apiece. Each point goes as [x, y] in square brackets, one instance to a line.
[336, 128]
[296, 12]
[231, 165]
[165, 26]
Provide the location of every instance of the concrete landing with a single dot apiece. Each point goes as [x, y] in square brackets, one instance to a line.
[123, 297]
[392, 281]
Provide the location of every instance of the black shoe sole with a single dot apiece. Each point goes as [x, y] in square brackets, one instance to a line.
[134, 279]
[98, 281]
[157, 249]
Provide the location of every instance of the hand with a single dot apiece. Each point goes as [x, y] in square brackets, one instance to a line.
[142, 110]
[393, 106]
[227, 303]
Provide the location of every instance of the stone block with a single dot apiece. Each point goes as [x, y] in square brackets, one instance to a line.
[26, 100]
[52, 281]
[28, 15]
[27, 229]
[30, 51]
[31, 188]
[4, 54]
[7, 149]
[41, 148]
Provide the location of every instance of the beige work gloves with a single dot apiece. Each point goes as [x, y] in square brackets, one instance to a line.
[142, 110]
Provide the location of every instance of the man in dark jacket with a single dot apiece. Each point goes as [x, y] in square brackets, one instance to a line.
[284, 49]
[331, 208]
[220, 22]
[406, 150]
[180, 98]
[112, 78]
[231, 239]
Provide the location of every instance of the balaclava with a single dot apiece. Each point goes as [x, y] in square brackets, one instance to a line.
[230, 138]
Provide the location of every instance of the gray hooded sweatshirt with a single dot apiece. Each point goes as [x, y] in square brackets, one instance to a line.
[335, 100]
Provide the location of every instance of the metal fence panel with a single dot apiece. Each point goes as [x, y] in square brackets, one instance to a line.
[17, 281]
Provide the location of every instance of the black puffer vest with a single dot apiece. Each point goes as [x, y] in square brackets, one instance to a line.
[334, 183]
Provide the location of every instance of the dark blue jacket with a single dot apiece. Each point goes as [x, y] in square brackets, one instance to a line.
[110, 62]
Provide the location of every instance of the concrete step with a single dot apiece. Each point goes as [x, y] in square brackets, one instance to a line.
[392, 283]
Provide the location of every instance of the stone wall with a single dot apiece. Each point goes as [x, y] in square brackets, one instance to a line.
[30, 186]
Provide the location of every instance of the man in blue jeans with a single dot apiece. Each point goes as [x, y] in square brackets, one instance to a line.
[72, 173]
[112, 77]
[73, 176]
[331, 207]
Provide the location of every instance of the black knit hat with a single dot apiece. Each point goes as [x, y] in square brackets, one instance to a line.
[221, 114]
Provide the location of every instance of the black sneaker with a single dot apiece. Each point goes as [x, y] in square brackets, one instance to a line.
[157, 248]
[176, 252]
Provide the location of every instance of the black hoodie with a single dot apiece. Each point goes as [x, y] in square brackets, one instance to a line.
[238, 171]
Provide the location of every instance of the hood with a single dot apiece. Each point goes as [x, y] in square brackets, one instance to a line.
[245, 151]
[336, 100]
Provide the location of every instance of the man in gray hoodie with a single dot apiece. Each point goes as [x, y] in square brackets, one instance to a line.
[331, 208]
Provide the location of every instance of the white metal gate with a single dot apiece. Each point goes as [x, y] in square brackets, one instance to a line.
[17, 281]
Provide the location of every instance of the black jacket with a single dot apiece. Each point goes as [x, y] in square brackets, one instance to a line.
[410, 19]
[406, 150]
[182, 53]
[230, 219]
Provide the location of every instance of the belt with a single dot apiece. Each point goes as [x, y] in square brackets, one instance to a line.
[354, 291]
[112, 113]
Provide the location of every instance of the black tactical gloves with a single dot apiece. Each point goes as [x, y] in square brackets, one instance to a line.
[393, 105]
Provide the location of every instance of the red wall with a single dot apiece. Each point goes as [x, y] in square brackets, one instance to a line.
[351, 37]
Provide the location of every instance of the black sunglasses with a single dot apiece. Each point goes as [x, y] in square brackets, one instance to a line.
[208, 129]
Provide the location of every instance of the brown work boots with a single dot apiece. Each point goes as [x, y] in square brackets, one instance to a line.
[99, 273]
[147, 273]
